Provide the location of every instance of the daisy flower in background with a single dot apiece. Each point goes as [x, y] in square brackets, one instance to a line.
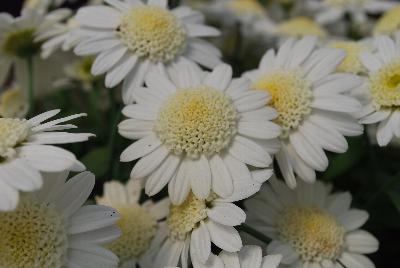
[13, 103]
[133, 38]
[389, 23]
[196, 130]
[17, 36]
[310, 97]
[311, 227]
[330, 11]
[25, 151]
[51, 229]
[139, 223]
[383, 88]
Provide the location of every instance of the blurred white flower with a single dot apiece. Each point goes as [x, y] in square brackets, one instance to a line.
[133, 38]
[310, 226]
[198, 123]
[25, 151]
[13, 103]
[17, 36]
[329, 11]
[310, 97]
[50, 228]
[139, 223]
[383, 88]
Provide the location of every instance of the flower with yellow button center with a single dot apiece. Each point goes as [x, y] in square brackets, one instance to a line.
[300, 27]
[142, 37]
[50, 230]
[12, 133]
[198, 223]
[312, 101]
[311, 226]
[383, 89]
[203, 124]
[139, 223]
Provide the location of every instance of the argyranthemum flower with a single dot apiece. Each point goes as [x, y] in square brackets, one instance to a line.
[137, 38]
[13, 103]
[203, 124]
[334, 10]
[353, 49]
[17, 35]
[383, 88]
[25, 151]
[389, 23]
[139, 223]
[249, 257]
[193, 225]
[310, 97]
[51, 229]
[311, 227]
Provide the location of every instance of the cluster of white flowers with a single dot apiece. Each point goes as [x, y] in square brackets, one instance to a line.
[203, 140]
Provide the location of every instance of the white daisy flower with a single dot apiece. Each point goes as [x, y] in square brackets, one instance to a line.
[25, 151]
[192, 226]
[139, 223]
[203, 124]
[134, 38]
[389, 23]
[335, 10]
[17, 36]
[51, 229]
[383, 88]
[312, 103]
[311, 227]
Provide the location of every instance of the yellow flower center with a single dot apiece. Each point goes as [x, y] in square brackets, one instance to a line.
[33, 235]
[301, 26]
[12, 133]
[247, 7]
[13, 103]
[291, 97]
[351, 63]
[152, 33]
[138, 228]
[186, 217]
[389, 23]
[197, 121]
[385, 86]
[313, 233]
[20, 43]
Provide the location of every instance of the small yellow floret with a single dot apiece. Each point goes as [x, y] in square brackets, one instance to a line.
[33, 236]
[313, 233]
[389, 23]
[291, 97]
[152, 33]
[301, 26]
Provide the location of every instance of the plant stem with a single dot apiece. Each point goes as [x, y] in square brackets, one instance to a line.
[254, 233]
[116, 115]
[31, 90]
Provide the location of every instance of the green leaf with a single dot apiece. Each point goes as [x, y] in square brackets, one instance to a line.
[340, 163]
[97, 161]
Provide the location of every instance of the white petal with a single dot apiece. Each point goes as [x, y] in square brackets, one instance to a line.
[200, 177]
[222, 183]
[161, 176]
[250, 256]
[259, 130]
[201, 243]
[98, 17]
[120, 70]
[227, 214]
[249, 152]
[353, 219]
[179, 186]
[224, 237]
[140, 148]
[356, 261]
[360, 241]
[8, 197]
[220, 77]
[149, 163]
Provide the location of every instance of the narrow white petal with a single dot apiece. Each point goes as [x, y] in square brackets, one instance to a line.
[225, 237]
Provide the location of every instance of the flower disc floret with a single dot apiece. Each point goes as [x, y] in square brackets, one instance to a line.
[12, 133]
[197, 121]
[152, 33]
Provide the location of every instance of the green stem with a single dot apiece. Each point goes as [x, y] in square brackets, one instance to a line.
[31, 90]
[254, 233]
[116, 114]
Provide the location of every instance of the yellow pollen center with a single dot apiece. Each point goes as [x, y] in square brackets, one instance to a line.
[138, 229]
[301, 26]
[152, 33]
[291, 97]
[247, 7]
[32, 236]
[197, 121]
[389, 23]
[12, 133]
[20, 43]
[351, 63]
[385, 86]
[313, 233]
[184, 218]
